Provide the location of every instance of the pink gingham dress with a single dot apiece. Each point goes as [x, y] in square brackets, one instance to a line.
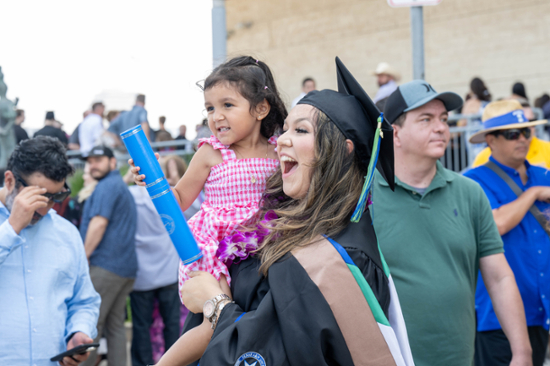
[233, 191]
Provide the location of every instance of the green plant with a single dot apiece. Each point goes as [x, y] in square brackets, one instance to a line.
[76, 182]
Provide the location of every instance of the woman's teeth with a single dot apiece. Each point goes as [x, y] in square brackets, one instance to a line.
[288, 163]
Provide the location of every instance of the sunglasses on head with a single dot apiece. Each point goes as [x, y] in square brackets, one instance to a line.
[514, 133]
[58, 197]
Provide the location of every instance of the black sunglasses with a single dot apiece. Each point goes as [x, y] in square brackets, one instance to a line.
[514, 133]
[58, 197]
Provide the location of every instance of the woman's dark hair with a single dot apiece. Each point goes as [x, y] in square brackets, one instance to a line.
[254, 81]
[42, 154]
[477, 86]
[542, 100]
[337, 178]
[519, 89]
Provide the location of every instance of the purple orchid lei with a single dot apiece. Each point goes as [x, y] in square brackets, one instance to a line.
[238, 246]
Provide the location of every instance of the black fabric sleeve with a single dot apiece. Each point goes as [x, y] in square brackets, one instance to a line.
[257, 331]
[291, 325]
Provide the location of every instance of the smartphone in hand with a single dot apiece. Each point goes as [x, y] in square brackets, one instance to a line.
[78, 350]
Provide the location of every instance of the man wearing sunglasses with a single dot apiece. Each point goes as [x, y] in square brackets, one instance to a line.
[539, 150]
[519, 194]
[47, 301]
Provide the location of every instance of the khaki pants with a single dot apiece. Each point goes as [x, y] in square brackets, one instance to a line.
[113, 290]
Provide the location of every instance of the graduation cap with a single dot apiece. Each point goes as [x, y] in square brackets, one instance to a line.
[356, 116]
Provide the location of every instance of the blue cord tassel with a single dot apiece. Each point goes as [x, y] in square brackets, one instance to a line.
[360, 208]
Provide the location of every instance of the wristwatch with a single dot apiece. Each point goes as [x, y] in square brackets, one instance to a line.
[218, 311]
[210, 306]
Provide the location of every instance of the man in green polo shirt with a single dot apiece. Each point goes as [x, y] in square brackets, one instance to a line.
[436, 231]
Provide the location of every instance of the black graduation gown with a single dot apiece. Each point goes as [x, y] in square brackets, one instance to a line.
[287, 320]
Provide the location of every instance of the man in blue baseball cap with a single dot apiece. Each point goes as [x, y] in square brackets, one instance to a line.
[519, 194]
[436, 233]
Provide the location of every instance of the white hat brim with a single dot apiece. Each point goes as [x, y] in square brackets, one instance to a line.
[390, 72]
[479, 137]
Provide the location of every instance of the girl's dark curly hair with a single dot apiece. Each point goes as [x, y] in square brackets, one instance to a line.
[251, 77]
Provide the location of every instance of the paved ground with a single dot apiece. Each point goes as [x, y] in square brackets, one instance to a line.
[129, 338]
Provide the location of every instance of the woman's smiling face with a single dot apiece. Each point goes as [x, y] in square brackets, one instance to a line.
[296, 150]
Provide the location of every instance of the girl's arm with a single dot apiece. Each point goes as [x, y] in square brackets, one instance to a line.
[189, 347]
[192, 182]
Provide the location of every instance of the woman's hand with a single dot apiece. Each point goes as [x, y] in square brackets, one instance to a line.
[138, 178]
[200, 287]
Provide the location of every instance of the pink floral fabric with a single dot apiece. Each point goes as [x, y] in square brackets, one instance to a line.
[233, 191]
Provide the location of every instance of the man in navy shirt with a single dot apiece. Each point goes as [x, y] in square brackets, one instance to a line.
[526, 240]
[108, 229]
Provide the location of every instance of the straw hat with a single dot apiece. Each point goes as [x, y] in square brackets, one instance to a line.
[502, 115]
[385, 68]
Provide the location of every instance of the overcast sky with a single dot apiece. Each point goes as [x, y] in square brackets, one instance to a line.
[61, 55]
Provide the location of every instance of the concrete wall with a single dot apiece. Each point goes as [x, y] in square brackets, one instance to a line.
[501, 41]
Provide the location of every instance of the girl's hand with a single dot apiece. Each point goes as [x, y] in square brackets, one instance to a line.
[138, 178]
[200, 287]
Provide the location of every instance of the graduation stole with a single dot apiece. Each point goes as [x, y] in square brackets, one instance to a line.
[374, 305]
[372, 339]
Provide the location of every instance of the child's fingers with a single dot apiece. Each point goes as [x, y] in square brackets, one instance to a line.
[138, 180]
[192, 274]
[131, 162]
[157, 155]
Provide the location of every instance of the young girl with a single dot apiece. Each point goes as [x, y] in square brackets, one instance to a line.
[245, 112]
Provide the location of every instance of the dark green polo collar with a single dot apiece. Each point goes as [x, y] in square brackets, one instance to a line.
[441, 178]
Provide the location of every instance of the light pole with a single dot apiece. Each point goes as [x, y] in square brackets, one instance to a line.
[417, 36]
[219, 32]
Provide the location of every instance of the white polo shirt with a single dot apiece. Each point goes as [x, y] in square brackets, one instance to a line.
[89, 132]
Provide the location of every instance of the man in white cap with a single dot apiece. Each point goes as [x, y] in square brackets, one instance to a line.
[519, 194]
[387, 80]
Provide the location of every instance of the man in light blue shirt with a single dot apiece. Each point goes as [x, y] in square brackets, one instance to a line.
[136, 116]
[47, 301]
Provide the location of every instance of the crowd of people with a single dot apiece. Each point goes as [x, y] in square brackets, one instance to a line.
[99, 127]
[330, 234]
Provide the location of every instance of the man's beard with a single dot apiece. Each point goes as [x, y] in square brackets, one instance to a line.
[10, 199]
[102, 173]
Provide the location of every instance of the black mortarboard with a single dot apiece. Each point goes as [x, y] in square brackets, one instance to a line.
[356, 116]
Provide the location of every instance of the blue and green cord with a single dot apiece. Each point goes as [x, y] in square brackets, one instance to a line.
[378, 135]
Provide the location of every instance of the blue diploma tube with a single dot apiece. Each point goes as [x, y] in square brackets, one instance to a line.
[160, 192]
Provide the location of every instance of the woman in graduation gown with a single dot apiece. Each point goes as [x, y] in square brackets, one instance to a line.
[318, 291]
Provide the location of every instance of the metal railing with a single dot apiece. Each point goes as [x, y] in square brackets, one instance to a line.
[458, 157]
[460, 153]
[183, 148]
